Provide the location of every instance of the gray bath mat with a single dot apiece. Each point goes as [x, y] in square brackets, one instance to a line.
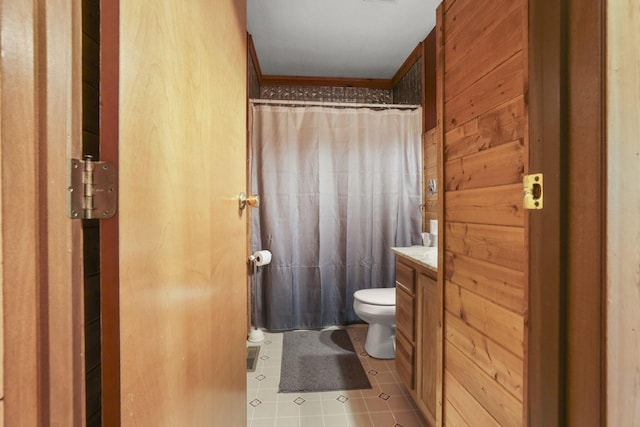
[320, 361]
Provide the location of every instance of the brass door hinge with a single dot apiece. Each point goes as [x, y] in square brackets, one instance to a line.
[92, 189]
[533, 191]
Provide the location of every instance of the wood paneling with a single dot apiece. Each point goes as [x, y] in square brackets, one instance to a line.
[430, 171]
[505, 408]
[486, 205]
[485, 43]
[503, 326]
[501, 165]
[483, 122]
[623, 214]
[440, 390]
[505, 367]
[182, 265]
[462, 408]
[490, 129]
[501, 85]
[501, 285]
[491, 243]
[452, 417]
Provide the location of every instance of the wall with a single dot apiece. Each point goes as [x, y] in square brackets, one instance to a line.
[429, 172]
[409, 89]
[623, 214]
[430, 136]
[253, 79]
[482, 68]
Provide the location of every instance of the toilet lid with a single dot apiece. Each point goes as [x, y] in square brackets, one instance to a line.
[376, 296]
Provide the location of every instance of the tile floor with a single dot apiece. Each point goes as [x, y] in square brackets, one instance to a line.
[387, 404]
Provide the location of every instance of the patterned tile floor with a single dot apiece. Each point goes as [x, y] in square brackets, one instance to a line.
[387, 404]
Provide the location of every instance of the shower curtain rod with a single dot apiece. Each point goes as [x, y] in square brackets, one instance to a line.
[331, 104]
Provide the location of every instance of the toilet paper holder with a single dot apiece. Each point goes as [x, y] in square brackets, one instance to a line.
[244, 200]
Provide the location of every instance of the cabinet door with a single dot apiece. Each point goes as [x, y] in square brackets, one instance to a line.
[428, 294]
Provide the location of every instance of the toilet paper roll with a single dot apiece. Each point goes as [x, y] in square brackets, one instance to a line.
[262, 257]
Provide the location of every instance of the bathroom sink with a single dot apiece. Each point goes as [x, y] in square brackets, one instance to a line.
[423, 254]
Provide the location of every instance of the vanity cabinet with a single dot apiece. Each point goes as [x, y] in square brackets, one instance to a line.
[416, 332]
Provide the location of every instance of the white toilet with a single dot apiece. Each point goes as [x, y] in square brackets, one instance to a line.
[377, 307]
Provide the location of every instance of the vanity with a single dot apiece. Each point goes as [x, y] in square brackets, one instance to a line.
[417, 324]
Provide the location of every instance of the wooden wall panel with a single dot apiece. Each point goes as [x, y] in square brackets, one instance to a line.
[430, 171]
[452, 417]
[490, 129]
[499, 284]
[495, 244]
[485, 154]
[497, 166]
[503, 326]
[499, 86]
[505, 408]
[461, 407]
[492, 358]
[486, 205]
[459, 19]
[484, 44]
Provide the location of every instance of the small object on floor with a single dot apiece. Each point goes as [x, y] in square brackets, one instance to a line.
[320, 361]
[252, 357]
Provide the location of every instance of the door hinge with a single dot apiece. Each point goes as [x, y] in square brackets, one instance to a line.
[92, 189]
[533, 191]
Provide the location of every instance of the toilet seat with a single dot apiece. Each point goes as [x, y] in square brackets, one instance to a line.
[376, 296]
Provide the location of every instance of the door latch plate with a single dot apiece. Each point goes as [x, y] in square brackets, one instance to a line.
[533, 191]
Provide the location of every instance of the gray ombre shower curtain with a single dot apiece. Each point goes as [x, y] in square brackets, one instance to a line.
[338, 188]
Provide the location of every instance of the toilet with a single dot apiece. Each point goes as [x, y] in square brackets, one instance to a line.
[377, 307]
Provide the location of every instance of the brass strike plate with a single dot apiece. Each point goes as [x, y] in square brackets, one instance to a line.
[533, 191]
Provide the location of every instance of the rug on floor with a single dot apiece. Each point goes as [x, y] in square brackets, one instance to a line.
[320, 361]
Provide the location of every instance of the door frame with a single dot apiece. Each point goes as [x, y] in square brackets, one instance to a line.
[566, 340]
[41, 248]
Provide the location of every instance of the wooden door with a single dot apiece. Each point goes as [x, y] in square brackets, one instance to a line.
[179, 312]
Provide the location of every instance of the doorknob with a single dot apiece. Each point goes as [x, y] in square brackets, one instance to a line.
[244, 200]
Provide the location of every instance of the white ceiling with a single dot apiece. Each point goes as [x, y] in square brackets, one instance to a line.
[337, 38]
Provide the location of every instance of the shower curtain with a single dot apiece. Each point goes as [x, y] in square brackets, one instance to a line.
[338, 188]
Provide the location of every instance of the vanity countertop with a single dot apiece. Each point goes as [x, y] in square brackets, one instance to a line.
[423, 255]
